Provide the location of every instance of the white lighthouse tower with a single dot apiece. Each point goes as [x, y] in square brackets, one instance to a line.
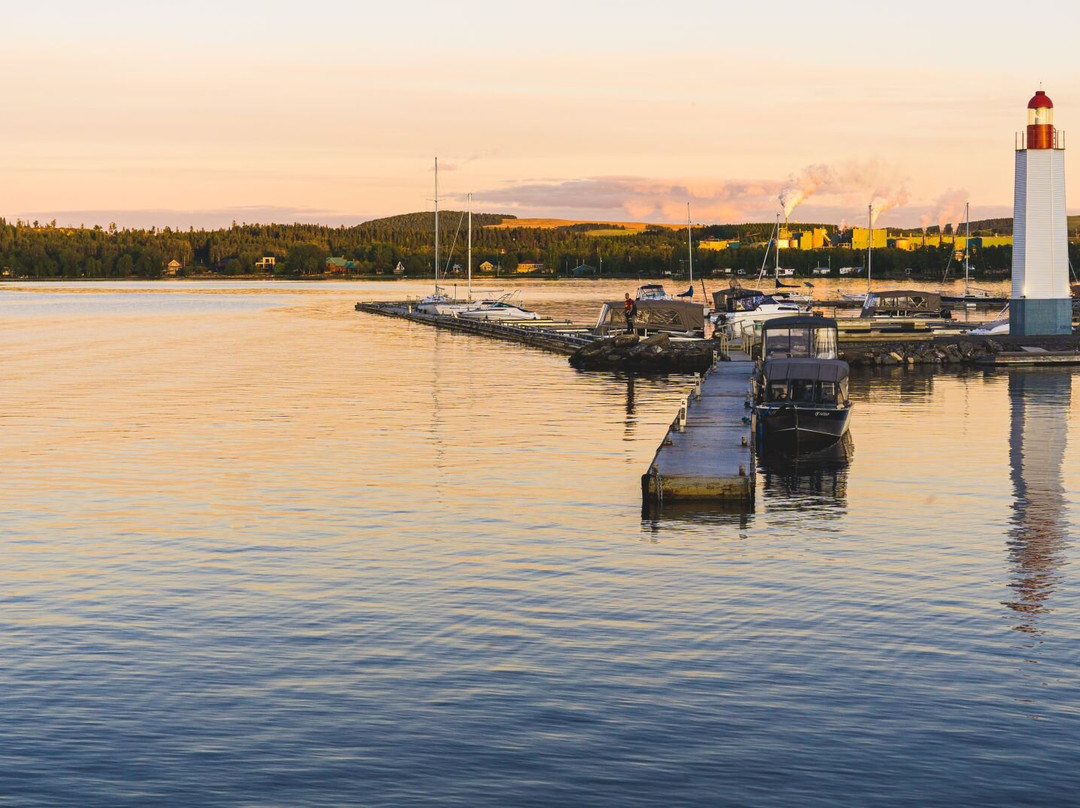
[1040, 301]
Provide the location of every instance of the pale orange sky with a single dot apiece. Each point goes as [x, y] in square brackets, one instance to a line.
[332, 112]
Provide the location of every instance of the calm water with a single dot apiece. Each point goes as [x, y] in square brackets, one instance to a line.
[260, 549]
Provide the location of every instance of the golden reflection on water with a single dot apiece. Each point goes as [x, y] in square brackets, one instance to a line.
[298, 522]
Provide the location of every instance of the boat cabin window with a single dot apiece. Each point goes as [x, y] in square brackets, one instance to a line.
[818, 343]
[806, 391]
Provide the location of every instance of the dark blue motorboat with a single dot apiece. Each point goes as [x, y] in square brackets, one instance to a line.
[800, 398]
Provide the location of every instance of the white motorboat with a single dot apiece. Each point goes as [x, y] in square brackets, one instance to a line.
[996, 327]
[651, 291]
[740, 312]
[500, 310]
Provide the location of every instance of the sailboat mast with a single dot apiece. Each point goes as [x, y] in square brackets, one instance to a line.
[690, 245]
[436, 225]
[967, 245]
[776, 270]
[869, 244]
[469, 262]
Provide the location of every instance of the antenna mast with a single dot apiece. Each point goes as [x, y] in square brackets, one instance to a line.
[436, 225]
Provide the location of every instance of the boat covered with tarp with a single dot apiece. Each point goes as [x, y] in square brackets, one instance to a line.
[668, 316]
[904, 303]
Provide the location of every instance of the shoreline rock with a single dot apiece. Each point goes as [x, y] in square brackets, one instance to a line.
[946, 351]
[655, 354]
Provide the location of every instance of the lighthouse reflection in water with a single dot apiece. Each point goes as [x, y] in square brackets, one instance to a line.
[1039, 402]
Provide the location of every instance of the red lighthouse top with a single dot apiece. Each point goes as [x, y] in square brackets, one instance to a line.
[1040, 101]
[1040, 129]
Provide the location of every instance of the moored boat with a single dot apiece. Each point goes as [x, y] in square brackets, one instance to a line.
[672, 316]
[800, 393]
[499, 310]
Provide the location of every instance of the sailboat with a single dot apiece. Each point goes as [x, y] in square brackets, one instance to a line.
[500, 309]
[971, 296]
[439, 303]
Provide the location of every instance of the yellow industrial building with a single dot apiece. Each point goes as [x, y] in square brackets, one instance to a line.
[819, 237]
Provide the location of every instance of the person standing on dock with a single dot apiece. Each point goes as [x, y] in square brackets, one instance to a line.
[629, 310]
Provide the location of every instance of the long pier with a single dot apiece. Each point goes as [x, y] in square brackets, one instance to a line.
[562, 337]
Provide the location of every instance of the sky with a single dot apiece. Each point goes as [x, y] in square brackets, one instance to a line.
[204, 113]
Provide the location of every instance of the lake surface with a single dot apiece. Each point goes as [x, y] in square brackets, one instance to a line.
[259, 549]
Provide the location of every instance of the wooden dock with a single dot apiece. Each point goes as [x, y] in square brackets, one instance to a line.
[1031, 357]
[707, 454]
[560, 336]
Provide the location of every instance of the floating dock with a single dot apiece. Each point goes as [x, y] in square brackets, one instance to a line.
[707, 454]
[1029, 357]
[550, 335]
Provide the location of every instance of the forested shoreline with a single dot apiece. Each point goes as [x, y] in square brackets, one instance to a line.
[45, 251]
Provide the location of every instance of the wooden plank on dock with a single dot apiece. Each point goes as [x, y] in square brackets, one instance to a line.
[1030, 358]
[707, 452]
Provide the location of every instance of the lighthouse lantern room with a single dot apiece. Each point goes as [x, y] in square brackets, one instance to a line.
[1040, 302]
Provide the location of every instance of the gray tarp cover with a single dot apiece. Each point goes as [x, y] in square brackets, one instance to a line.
[825, 370]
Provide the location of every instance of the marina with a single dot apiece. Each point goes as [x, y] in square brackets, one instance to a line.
[709, 453]
[539, 406]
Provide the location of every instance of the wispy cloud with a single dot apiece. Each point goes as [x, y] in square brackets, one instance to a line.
[844, 188]
[638, 198]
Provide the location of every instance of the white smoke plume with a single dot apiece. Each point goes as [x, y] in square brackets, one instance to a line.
[949, 209]
[886, 201]
[801, 187]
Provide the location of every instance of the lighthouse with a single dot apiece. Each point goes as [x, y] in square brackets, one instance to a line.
[1040, 301]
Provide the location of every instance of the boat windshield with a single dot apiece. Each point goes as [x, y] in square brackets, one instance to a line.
[651, 291]
[801, 341]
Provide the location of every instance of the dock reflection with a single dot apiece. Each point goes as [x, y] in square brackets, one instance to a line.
[1039, 409]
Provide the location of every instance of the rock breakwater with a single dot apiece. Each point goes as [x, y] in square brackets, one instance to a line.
[655, 354]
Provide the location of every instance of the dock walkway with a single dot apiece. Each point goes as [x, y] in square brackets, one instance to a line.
[551, 335]
[707, 453]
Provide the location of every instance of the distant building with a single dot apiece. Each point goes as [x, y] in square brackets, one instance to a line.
[813, 239]
[718, 244]
[339, 266]
[173, 267]
[266, 263]
[487, 266]
[583, 270]
[537, 266]
[399, 269]
[860, 238]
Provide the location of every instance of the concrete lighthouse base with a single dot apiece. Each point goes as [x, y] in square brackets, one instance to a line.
[1031, 318]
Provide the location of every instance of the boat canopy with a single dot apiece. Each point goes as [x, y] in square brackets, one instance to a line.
[807, 336]
[672, 316]
[823, 370]
[738, 299]
[804, 382]
[902, 303]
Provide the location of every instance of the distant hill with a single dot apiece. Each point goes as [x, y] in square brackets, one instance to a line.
[591, 226]
[425, 220]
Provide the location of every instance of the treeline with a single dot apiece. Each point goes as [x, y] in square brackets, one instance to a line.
[47, 251]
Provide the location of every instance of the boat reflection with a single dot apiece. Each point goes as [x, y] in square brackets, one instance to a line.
[818, 479]
[1039, 408]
